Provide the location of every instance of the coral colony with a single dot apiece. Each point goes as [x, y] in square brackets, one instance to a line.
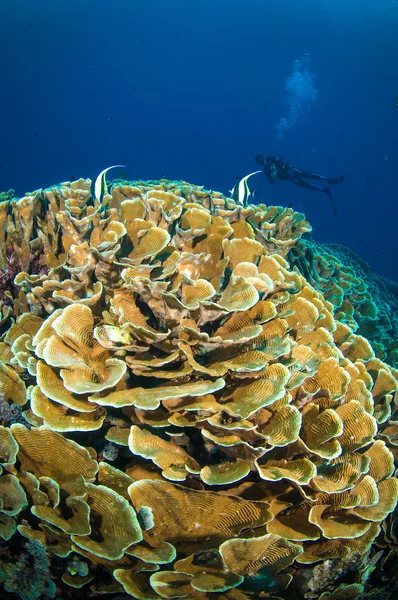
[194, 401]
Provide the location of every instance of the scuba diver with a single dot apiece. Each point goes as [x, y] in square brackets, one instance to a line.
[275, 167]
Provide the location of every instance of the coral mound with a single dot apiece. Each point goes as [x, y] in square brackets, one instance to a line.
[182, 413]
[366, 302]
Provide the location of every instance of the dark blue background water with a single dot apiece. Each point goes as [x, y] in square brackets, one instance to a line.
[194, 90]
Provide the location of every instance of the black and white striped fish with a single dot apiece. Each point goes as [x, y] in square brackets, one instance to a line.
[241, 191]
[100, 188]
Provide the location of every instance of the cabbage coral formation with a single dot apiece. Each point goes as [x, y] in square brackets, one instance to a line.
[366, 302]
[251, 431]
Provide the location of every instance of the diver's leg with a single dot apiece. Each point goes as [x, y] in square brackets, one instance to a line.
[306, 184]
[332, 180]
[317, 188]
[338, 179]
[299, 173]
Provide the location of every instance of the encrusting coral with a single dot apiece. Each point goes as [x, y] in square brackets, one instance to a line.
[252, 433]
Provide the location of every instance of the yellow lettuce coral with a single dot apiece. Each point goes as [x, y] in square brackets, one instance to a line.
[252, 431]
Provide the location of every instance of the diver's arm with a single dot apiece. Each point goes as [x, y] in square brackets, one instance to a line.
[260, 160]
[268, 174]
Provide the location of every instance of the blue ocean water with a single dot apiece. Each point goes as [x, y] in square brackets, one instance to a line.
[194, 90]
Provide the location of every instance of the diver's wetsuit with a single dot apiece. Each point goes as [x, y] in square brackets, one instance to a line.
[275, 168]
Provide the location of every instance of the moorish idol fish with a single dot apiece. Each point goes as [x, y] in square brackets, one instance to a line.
[241, 191]
[100, 188]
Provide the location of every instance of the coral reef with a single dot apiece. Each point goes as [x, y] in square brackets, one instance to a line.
[185, 413]
[366, 302]
[30, 576]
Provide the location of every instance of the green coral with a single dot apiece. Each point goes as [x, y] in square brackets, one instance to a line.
[366, 302]
[29, 576]
[6, 196]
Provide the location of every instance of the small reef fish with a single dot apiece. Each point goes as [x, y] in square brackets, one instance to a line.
[100, 188]
[241, 191]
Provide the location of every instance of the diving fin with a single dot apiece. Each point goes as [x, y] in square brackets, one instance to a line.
[329, 193]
